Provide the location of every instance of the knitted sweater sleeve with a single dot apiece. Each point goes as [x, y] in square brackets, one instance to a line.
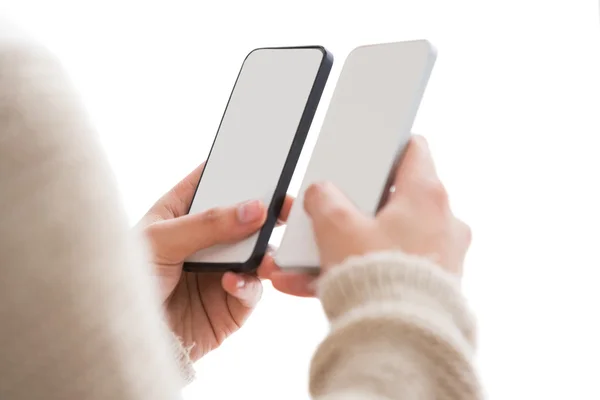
[79, 314]
[400, 329]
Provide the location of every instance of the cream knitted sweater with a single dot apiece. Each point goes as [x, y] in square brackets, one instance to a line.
[79, 313]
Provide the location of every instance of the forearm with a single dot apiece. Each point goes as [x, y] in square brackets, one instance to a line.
[79, 316]
[399, 330]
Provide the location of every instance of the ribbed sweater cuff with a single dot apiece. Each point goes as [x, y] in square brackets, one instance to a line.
[182, 357]
[386, 277]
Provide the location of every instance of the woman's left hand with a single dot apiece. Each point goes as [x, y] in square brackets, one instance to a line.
[203, 309]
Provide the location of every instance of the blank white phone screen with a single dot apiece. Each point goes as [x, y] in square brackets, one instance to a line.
[255, 136]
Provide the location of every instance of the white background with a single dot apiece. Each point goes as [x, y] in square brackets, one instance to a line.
[512, 113]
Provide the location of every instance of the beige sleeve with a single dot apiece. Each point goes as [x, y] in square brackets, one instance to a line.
[400, 329]
[79, 315]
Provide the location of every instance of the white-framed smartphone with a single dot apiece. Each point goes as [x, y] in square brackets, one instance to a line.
[257, 145]
[365, 130]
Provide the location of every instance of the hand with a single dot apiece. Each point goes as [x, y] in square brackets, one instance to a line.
[416, 220]
[202, 309]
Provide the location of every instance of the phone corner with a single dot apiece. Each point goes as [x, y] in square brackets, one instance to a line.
[251, 52]
[431, 48]
[326, 55]
[328, 58]
[190, 267]
[251, 265]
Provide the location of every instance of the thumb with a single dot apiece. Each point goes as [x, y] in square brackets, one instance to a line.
[177, 238]
[331, 212]
[417, 163]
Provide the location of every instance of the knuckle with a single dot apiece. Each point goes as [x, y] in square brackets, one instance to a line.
[157, 235]
[337, 214]
[215, 224]
[214, 217]
[152, 231]
[466, 232]
[437, 193]
[213, 214]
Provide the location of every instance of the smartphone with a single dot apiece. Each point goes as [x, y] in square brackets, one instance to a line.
[257, 145]
[364, 133]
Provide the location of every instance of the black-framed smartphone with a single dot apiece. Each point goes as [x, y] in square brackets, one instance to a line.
[257, 146]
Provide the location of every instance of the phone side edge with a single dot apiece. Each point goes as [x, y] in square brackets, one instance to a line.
[432, 57]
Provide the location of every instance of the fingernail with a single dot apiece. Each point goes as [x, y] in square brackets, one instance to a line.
[240, 283]
[249, 212]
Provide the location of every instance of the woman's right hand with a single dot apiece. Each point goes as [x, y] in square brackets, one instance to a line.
[416, 219]
[403, 314]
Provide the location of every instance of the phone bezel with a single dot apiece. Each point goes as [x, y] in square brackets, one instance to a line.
[276, 204]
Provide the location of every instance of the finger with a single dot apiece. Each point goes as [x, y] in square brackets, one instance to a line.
[287, 206]
[329, 209]
[416, 164]
[294, 283]
[181, 195]
[271, 249]
[336, 222]
[267, 266]
[246, 289]
[183, 236]
[285, 210]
